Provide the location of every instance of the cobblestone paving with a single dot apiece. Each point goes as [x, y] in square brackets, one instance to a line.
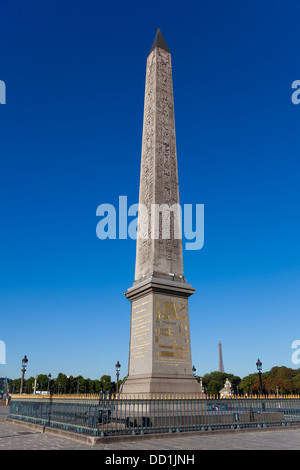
[14, 437]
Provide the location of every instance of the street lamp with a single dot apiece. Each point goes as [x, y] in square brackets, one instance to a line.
[49, 378]
[118, 365]
[23, 370]
[259, 368]
[194, 370]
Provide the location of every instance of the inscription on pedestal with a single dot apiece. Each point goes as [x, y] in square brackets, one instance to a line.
[171, 330]
[141, 336]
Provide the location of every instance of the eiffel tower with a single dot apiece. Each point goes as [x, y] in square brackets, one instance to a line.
[221, 365]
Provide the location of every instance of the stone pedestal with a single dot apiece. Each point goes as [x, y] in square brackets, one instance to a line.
[160, 349]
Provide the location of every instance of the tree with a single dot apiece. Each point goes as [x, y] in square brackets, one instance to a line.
[29, 383]
[42, 382]
[106, 383]
[246, 384]
[97, 386]
[61, 383]
[79, 384]
[213, 387]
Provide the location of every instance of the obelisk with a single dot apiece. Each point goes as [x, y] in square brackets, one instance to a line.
[160, 349]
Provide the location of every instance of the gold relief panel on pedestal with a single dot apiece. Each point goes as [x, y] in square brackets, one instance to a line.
[171, 333]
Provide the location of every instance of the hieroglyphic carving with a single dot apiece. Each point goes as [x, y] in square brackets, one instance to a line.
[159, 177]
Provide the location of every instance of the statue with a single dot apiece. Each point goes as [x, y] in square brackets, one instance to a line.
[226, 390]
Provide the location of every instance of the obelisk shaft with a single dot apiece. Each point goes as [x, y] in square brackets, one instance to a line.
[156, 255]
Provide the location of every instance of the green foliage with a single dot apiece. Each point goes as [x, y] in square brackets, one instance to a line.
[282, 379]
[246, 384]
[106, 384]
[65, 384]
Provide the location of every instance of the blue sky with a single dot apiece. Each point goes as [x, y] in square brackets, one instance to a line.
[70, 140]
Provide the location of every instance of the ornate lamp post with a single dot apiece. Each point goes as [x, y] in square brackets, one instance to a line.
[23, 370]
[194, 370]
[49, 379]
[118, 365]
[259, 368]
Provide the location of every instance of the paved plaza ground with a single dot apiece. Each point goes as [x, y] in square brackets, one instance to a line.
[15, 437]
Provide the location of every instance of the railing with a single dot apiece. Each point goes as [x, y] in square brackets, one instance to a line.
[97, 416]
